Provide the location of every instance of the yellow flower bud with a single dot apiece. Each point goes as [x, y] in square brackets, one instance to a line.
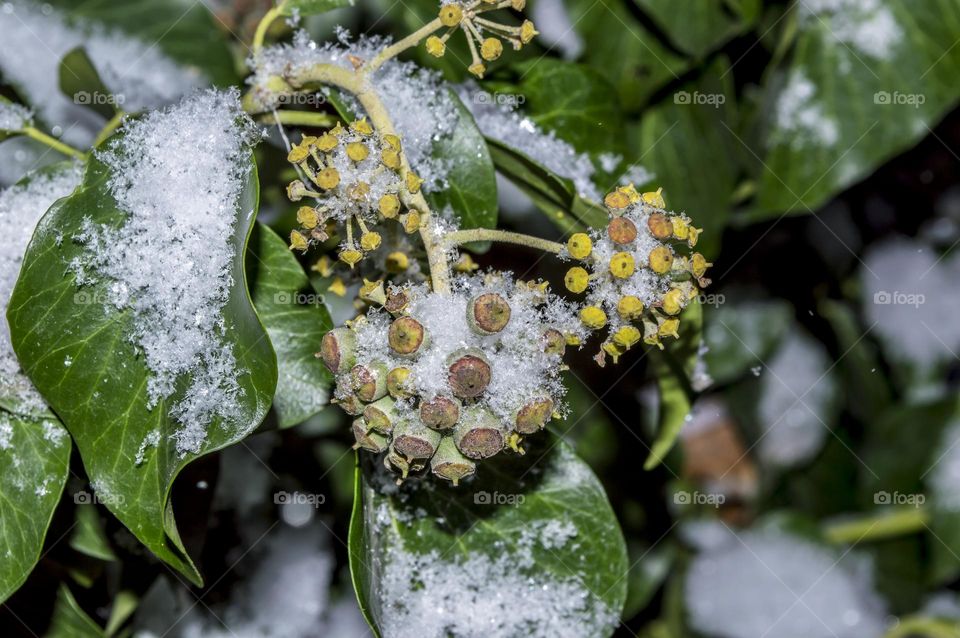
[357, 151]
[680, 228]
[323, 266]
[629, 308]
[350, 256]
[626, 337]
[613, 350]
[389, 205]
[373, 292]
[390, 158]
[361, 126]
[579, 245]
[327, 142]
[593, 317]
[436, 46]
[616, 200]
[298, 241]
[397, 262]
[576, 279]
[413, 182]
[307, 217]
[673, 301]
[655, 199]
[661, 259]
[411, 222]
[669, 328]
[297, 154]
[337, 287]
[370, 241]
[699, 265]
[491, 49]
[694, 235]
[622, 265]
[477, 69]
[527, 32]
[328, 178]
[450, 15]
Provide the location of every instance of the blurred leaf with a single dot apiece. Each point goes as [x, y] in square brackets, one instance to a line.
[35, 458]
[102, 397]
[836, 109]
[649, 568]
[124, 605]
[69, 620]
[672, 368]
[296, 318]
[184, 30]
[556, 487]
[697, 27]
[81, 83]
[88, 536]
[741, 333]
[684, 140]
[305, 8]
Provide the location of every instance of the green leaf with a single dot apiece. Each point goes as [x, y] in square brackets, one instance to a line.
[443, 526]
[741, 333]
[34, 459]
[672, 368]
[81, 83]
[69, 620]
[862, 109]
[684, 140]
[311, 7]
[184, 30]
[296, 319]
[88, 536]
[554, 195]
[699, 28]
[102, 395]
[472, 184]
[648, 572]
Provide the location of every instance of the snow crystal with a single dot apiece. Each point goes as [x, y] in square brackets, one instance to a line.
[417, 101]
[772, 584]
[21, 207]
[866, 25]
[35, 39]
[795, 398]
[556, 28]
[177, 174]
[6, 431]
[906, 294]
[944, 475]
[14, 117]
[152, 439]
[797, 113]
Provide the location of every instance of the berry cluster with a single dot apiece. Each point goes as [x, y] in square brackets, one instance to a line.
[448, 380]
[483, 35]
[638, 271]
[359, 176]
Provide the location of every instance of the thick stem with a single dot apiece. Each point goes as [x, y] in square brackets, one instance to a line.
[265, 23]
[900, 522]
[299, 118]
[399, 47]
[108, 129]
[460, 237]
[53, 143]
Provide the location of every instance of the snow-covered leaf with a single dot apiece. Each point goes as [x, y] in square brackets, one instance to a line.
[530, 547]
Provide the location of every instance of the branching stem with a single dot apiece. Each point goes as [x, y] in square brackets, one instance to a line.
[262, 27]
[400, 46]
[460, 237]
[53, 143]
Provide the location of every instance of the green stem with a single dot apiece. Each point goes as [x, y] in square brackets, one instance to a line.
[53, 143]
[460, 237]
[300, 118]
[900, 522]
[108, 129]
[400, 46]
[265, 23]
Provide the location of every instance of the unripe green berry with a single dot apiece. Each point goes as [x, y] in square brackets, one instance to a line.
[469, 373]
[480, 434]
[488, 313]
[381, 415]
[369, 381]
[440, 413]
[368, 440]
[338, 350]
[533, 415]
[448, 462]
[397, 382]
[414, 440]
[406, 336]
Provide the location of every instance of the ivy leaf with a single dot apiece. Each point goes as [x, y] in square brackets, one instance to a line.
[549, 489]
[101, 395]
[182, 29]
[847, 99]
[699, 28]
[311, 7]
[35, 459]
[88, 536]
[673, 368]
[70, 620]
[472, 184]
[80, 81]
[296, 319]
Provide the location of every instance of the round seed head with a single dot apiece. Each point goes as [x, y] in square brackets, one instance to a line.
[370, 241]
[488, 313]
[357, 151]
[380, 415]
[660, 226]
[621, 230]
[298, 241]
[469, 375]
[350, 256]
[593, 317]
[307, 217]
[698, 264]
[351, 405]
[327, 142]
[369, 382]
[629, 308]
[626, 336]
[673, 301]
[389, 205]
[669, 328]
[440, 413]
[477, 70]
[390, 158]
[617, 200]
[533, 415]
[328, 178]
[527, 32]
[491, 49]
[655, 198]
[579, 245]
[450, 15]
[479, 435]
[411, 222]
[413, 182]
[622, 265]
[681, 230]
[661, 260]
[397, 301]
[576, 279]
[397, 382]
[406, 335]
[361, 126]
[414, 440]
[297, 154]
